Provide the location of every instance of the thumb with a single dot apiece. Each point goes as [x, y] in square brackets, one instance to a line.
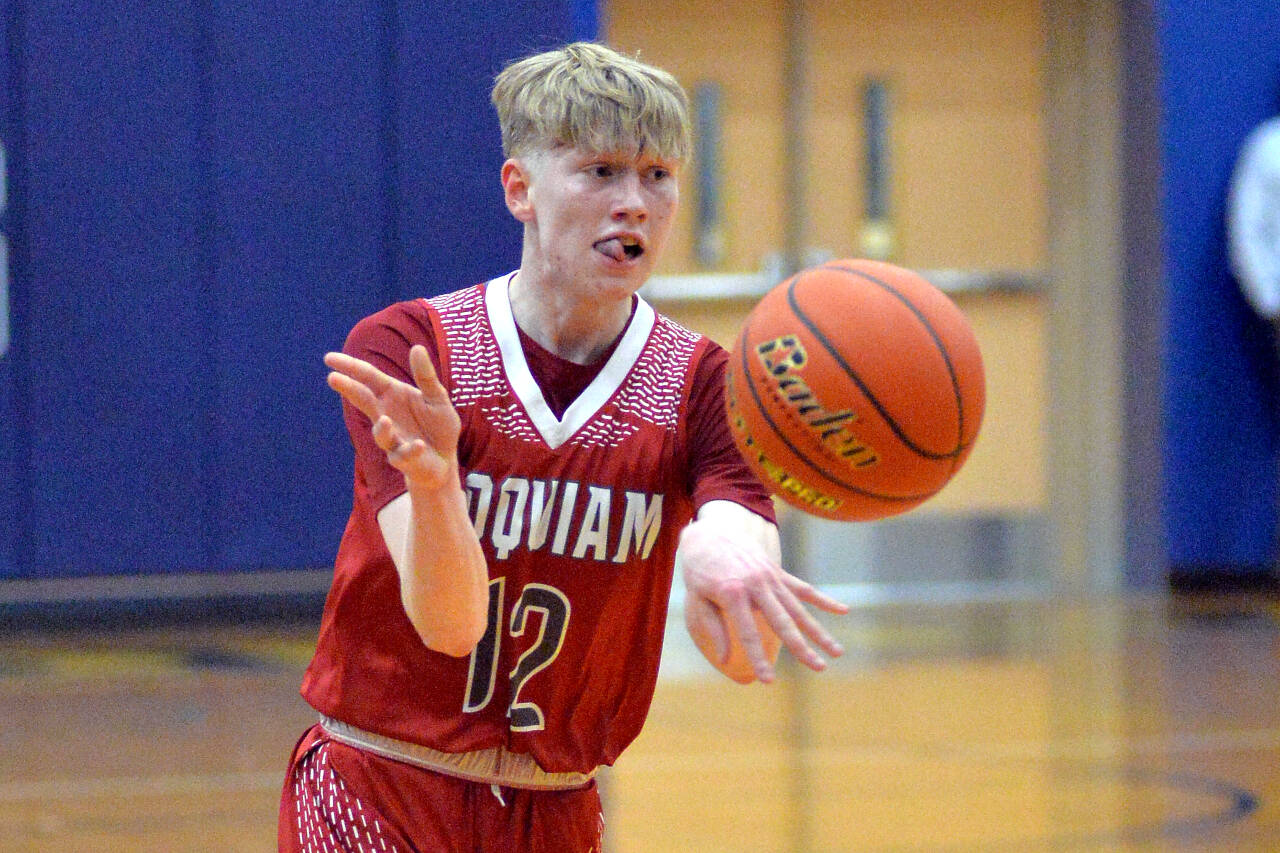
[706, 626]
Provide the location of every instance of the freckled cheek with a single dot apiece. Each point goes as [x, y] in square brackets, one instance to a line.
[663, 215]
[663, 202]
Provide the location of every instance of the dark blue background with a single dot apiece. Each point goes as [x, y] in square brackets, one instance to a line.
[204, 198]
[1221, 77]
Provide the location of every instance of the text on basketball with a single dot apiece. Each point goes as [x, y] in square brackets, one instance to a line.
[783, 358]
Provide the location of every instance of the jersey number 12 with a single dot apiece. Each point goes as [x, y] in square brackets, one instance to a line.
[552, 605]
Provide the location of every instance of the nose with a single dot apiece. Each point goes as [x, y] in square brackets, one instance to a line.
[629, 205]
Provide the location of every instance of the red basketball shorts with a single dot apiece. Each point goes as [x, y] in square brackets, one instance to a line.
[341, 799]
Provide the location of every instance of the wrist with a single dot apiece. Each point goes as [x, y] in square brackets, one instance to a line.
[434, 486]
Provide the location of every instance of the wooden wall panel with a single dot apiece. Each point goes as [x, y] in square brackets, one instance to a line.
[966, 133]
[968, 157]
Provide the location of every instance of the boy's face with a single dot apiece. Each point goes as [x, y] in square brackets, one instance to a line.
[599, 220]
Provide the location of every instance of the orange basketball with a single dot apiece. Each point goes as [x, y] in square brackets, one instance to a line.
[855, 390]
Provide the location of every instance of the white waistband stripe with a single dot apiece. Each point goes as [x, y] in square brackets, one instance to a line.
[496, 766]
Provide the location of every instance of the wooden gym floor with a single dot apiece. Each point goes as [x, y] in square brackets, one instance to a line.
[1135, 725]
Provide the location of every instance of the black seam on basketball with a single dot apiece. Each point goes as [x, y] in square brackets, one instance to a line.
[961, 446]
[782, 436]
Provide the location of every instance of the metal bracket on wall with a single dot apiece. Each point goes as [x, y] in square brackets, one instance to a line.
[707, 286]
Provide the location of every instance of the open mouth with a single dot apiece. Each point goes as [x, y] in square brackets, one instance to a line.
[620, 248]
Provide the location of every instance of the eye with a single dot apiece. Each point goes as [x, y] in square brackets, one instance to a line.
[659, 173]
[600, 170]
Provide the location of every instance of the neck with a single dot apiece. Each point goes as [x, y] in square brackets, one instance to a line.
[563, 322]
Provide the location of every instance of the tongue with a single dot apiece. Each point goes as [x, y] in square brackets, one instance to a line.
[612, 248]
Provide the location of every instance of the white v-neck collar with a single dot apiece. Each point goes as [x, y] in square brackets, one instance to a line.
[556, 431]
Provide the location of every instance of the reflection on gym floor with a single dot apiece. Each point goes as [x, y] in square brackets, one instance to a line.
[1147, 724]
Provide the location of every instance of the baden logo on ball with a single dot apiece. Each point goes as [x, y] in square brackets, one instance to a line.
[855, 390]
[784, 358]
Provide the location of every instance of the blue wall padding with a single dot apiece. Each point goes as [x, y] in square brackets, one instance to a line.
[1220, 79]
[584, 20]
[9, 506]
[113, 334]
[454, 228]
[299, 247]
[211, 196]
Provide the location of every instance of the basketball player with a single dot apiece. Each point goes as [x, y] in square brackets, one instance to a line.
[532, 457]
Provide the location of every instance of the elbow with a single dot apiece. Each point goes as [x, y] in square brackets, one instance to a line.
[456, 637]
[461, 641]
[456, 647]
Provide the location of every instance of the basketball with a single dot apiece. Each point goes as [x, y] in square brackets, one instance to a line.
[855, 390]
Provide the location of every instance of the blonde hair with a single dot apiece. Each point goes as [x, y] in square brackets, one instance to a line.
[589, 96]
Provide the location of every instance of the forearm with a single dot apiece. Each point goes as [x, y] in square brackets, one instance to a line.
[444, 580]
[444, 583]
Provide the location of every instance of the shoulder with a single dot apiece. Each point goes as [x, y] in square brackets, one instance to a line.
[1266, 133]
[385, 337]
[680, 340]
[662, 321]
[705, 358]
[400, 316]
[414, 318]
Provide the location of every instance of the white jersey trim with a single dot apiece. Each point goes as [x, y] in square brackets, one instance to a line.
[493, 766]
[554, 431]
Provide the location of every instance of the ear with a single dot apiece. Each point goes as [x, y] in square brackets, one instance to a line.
[516, 179]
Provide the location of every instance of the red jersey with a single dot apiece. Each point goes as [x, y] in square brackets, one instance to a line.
[578, 512]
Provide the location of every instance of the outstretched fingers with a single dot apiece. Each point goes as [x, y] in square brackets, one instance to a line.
[356, 393]
[795, 629]
[424, 373]
[804, 625]
[807, 592]
[738, 609]
[360, 383]
[361, 371]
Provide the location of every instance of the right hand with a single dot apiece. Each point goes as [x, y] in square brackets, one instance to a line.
[730, 560]
[417, 427]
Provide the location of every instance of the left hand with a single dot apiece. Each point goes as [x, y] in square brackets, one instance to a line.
[730, 559]
[415, 425]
